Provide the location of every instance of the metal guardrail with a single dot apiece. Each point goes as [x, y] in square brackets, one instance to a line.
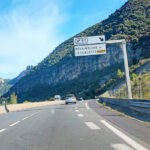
[142, 106]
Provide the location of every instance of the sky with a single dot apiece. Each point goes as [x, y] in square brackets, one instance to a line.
[31, 29]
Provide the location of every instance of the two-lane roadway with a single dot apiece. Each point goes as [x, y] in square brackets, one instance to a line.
[66, 127]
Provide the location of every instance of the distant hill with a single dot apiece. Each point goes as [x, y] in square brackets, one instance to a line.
[1, 81]
[22, 74]
[62, 73]
[6, 84]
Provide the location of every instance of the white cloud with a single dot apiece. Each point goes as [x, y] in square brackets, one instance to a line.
[29, 33]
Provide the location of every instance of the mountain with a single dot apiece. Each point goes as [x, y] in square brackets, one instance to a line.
[61, 72]
[22, 74]
[1, 81]
[6, 84]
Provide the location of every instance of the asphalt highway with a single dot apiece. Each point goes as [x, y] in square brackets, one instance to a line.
[78, 126]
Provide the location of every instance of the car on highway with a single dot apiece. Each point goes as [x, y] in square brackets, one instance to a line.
[80, 99]
[57, 97]
[70, 98]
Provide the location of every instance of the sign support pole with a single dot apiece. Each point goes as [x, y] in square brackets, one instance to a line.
[126, 70]
[123, 42]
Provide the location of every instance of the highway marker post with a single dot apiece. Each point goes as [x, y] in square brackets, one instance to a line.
[96, 45]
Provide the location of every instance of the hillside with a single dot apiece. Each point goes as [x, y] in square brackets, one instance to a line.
[61, 72]
[140, 81]
[22, 74]
[140, 87]
[6, 84]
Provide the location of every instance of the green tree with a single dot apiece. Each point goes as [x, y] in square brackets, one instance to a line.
[134, 77]
[120, 73]
[13, 98]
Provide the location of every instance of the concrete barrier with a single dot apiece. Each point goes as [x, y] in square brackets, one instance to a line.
[142, 106]
[17, 107]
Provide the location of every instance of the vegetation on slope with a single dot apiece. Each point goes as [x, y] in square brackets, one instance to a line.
[140, 87]
[4, 87]
[140, 82]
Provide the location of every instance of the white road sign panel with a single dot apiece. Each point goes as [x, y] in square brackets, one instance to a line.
[89, 40]
[86, 50]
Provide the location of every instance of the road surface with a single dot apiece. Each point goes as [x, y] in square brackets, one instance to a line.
[81, 126]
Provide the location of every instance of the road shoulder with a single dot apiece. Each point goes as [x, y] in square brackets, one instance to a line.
[136, 128]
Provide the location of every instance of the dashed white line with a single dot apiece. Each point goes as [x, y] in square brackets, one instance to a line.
[25, 118]
[124, 137]
[80, 115]
[2, 130]
[86, 105]
[31, 115]
[120, 146]
[92, 126]
[14, 123]
[77, 110]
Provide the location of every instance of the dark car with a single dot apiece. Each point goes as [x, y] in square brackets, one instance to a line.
[80, 99]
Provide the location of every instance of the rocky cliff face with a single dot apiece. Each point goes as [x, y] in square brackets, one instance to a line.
[61, 72]
[22, 74]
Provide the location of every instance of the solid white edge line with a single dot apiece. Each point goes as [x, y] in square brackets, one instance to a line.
[14, 123]
[80, 115]
[92, 126]
[124, 137]
[2, 130]
[86, 105]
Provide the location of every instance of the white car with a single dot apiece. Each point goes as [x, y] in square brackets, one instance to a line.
[57, 97]
[70, 99]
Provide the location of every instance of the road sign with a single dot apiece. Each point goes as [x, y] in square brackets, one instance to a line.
[89, 40]
[90, 50]
[92, 45]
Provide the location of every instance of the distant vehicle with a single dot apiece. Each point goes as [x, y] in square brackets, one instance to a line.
[57, 97]
[70, 98]
[80, 99]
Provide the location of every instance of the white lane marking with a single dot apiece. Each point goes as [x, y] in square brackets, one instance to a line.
[124, 137]
[25, 118]
[35, 113]
[92, 126]
[14, 123]
[31, 115]
[2, 130]
[86, 105]
[121, 147]
[80, 115]
[77, 110]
